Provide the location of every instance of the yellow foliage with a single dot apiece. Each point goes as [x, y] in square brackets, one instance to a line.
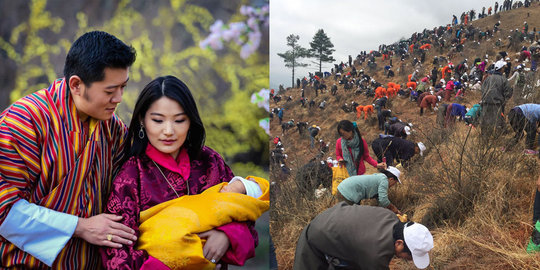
[166, 44]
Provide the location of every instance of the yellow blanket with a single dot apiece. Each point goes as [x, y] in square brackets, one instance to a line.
[169, 230]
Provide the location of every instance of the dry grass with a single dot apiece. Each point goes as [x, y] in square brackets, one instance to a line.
[475, 198]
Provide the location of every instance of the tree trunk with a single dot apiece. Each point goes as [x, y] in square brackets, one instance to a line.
[292, 86]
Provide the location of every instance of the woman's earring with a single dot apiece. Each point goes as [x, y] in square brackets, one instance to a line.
[141, 132]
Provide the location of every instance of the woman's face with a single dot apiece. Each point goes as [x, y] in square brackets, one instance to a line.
[347, 135]
[166, 125]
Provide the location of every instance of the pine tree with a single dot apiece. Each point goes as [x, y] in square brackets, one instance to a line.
[321, 48]
[292, 57]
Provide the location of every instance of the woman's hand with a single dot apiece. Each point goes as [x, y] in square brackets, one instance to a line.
[105, 230]
[216, 245]
[381, 165]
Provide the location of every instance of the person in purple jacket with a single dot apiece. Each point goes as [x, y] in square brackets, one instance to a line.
[454, 110]
[525, 117]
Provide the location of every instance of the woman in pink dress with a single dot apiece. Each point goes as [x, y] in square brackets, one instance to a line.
[356, 149]
[165, 158]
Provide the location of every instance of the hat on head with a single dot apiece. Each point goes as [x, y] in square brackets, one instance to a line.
[420, 242]
[407, 130]
[500, 64]
[422, 148]
[314, 126]
[395, 171]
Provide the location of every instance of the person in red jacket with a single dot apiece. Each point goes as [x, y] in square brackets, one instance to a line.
[429, 101]
[356, 149]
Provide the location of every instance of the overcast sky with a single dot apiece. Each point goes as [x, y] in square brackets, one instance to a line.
[353, 26]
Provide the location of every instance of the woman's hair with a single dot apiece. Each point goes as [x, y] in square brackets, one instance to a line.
[398, 234]
[349, 126]
[175, 89]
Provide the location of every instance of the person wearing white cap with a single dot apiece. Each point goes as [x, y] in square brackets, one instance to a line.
[396, 148]
[360, 237]
[399, 129]
[360, 187]
[496, 91]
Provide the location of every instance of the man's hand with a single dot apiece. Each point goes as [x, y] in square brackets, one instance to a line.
[216, 245]
[105, 230]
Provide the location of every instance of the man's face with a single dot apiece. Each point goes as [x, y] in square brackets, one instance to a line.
[399, 249]
[99, 100]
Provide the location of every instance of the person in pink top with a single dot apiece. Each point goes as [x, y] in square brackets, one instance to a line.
[356, 149]
[165, 158]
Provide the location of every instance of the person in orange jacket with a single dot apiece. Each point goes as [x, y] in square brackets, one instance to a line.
[390, 91]
[379, 92]
[446, 71]
[412, 85]
[359, 110]
[368, 110]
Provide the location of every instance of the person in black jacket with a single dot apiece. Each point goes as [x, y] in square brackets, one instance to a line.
[394, 148]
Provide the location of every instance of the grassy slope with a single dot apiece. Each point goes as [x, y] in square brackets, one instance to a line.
[491, 198]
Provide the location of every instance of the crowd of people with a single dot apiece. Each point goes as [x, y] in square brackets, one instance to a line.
[371, 82]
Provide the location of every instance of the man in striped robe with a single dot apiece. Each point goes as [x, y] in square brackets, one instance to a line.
[60, 148]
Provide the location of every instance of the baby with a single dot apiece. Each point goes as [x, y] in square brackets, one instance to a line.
[169, 230]
[243, 186]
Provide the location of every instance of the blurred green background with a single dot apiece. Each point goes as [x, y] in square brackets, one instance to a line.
[35, 36]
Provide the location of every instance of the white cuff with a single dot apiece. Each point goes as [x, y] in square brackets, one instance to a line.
[37, 230]
[252, 188]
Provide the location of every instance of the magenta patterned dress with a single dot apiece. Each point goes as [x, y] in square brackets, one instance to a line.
[139, 185]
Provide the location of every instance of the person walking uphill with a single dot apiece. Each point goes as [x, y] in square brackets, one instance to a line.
[496, 91]
[356, 188]
[60, 149]
[360, 237]
[352, 150]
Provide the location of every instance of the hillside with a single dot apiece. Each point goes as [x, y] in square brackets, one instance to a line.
[449, 176]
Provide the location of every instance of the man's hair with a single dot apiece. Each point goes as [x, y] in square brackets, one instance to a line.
[398, 234]
[173, 88]
[94, 51]
[388, 174]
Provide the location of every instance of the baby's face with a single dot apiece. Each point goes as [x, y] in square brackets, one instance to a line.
[235, 187]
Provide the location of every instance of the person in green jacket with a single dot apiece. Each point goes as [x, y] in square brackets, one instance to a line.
[359, 187]
[471, 117]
